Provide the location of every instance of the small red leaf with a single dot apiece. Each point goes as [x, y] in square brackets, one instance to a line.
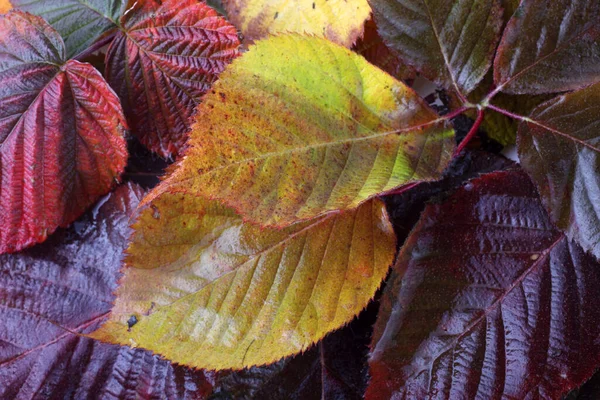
[162, 62]
[487, 300]
[61, 133]
[52, 293]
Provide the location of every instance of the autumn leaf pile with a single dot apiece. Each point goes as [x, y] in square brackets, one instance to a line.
[310, 181]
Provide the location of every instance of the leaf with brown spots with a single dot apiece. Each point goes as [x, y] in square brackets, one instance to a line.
[298, 127]
[340, 21]
[210, 291]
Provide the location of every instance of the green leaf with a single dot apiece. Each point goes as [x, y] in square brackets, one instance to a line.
[450, 42]
[549, 46]
[559, 146]
[79, 22]
[298, 127]
[210, 291]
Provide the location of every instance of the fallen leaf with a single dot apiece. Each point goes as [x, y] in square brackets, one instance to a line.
[79, 22]
[340, 21]
[210, 291]
[162, 62]
[54, 293]
[61, 133]
[298, 127]
[487, 300]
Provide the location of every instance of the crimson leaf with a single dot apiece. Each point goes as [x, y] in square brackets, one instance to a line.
[487, 300]
[162, 62]
[549, 46]
[80, 22]
[54, 292]
[61, 133]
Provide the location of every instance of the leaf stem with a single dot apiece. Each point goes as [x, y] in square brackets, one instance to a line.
[100, 43]
[507, 113]
[472, 132]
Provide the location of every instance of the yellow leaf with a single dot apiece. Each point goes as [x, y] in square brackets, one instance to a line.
[210, 291]
[298, 127]
[4, 6]
[341, 21]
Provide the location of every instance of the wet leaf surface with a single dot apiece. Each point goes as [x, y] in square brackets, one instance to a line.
[56, 291]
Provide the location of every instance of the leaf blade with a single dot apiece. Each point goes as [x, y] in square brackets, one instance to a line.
[559, 147]
[219, 293]
[540, 39]
[288, 141]
[61, 133]
[450, 42]
[341, 22]
[498, 325]
[161, 64]
[80, 22]
[59, 290]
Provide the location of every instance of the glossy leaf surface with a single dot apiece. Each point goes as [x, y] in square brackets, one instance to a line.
[340, 21]
[163, 62]
[79, 22]
[487, 300]
[61, 133]
[559, 146]
[52, 293]
[300, 126]
[450, 42]
[550, 47]
[209, 291]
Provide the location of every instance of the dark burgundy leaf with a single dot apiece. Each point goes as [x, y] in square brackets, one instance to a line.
[487, 300]
[80, 22]
[372, 47]
[450, 42]
[162, 62]
[54, 292]
[559, 146]
[549, 46]
[61, 133]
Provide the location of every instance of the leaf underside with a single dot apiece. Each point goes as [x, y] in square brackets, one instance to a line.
[549, 46]
[298, 127]
[210, 291]
[61, 133]
[62, 288]
[559, 146]
[340, 21]
[163, 62]
[487, 300]
[449, 42]
[79, 22]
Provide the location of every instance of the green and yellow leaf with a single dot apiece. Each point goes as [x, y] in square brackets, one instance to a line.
[298, 127]
[341, 21]
[210, 291]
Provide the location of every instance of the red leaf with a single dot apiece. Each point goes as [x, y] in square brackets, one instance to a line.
[162, 62]
[488, 300]
[61, 133]
[62, 288]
